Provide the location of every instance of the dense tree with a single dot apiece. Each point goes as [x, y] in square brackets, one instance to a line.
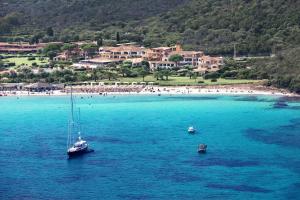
[142, 72]
[124, 70]
[158, 74]
[99, 41]
[146, 66]
[52, 47]
[2, 66]
[95, 75]
[118, 37]
[190, 73]
[10, 21]
[212, 75]
[50, 31]
[109, 74]
[176, 58]
[166, 73]
[51, 54]
[68, 47]
[89, 49]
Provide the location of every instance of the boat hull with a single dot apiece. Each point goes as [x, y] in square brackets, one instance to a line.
[80, 152]
[202, 151]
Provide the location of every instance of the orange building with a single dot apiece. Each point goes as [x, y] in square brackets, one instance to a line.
[159, 57]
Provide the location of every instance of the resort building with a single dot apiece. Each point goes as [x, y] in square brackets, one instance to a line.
[41, 87]
[19, 48]
[122, 52]
[157, 57]
[93, 63]
[69, 55]
[189, 57]
[161, 65]
[211, 63]
[11, 86]
[160, 53]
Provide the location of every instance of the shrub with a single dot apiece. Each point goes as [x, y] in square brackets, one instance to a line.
[31, 58]
[11, 64]
[230, 78]
[211, 75]
[296, 88]
[213, 80]
[229, 74]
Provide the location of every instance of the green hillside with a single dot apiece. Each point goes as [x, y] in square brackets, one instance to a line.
[256, 26]
[65, 13]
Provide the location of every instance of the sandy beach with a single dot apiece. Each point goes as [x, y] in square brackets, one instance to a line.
[243, 89]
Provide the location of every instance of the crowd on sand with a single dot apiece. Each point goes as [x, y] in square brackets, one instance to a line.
[241, 89]
[219, 89]
[107, 89]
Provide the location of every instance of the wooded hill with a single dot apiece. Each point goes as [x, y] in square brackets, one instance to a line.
[256, 26]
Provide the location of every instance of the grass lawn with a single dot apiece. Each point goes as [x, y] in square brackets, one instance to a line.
[25, 61]
[173, 81]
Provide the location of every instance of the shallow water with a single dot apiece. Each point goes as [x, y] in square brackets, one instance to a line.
[143, 151]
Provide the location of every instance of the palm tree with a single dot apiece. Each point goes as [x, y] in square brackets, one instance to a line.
[190, 73]
[156, 75]
[142, 73]
[111, 74]
[166, 73]
[95, 75]
[124, 70]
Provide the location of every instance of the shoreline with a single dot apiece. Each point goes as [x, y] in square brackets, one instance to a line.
[165, 90]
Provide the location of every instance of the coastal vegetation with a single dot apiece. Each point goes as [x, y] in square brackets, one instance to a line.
[27, 60]
[61, 72]
[281, 71]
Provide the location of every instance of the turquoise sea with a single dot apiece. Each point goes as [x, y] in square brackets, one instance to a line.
[143, 150]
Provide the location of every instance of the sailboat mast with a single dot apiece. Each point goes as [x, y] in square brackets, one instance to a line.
[79, 123]
[69, 132]
[72, 106]
[71, 121]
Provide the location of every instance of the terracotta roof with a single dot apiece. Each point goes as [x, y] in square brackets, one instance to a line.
[101, 60]
[211, 58]
[122, 48]
[135, 60]
[18, 49]
[186, 52]
[162, 62]
[16, 44]
[162, 48]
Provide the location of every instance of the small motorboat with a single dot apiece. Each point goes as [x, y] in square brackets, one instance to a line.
[202, 148]
[191, 129]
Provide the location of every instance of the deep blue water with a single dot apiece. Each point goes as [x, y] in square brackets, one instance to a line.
[143, 151]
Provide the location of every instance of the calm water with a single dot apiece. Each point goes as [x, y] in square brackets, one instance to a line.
[143, 151]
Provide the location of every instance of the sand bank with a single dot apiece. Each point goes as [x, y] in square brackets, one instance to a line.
[244, 89]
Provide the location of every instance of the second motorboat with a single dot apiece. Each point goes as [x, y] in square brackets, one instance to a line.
[191, 129]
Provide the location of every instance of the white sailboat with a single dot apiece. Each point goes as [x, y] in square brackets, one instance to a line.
[80, 146]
